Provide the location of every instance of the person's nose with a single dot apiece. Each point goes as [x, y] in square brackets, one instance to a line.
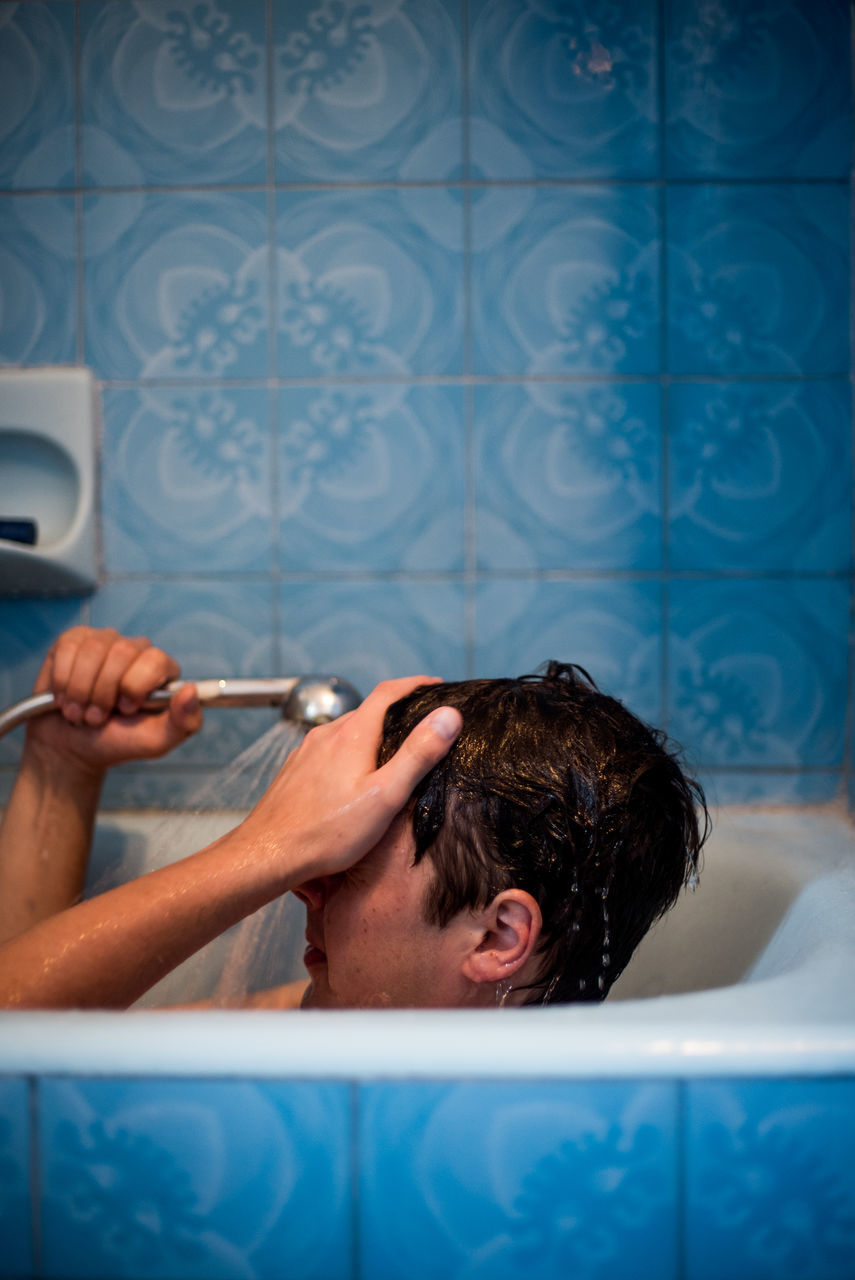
[312, 892]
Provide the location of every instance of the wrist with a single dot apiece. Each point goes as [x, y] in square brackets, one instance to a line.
[59, 767]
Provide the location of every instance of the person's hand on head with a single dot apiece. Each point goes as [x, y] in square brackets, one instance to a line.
[330, 804]
[100, 679]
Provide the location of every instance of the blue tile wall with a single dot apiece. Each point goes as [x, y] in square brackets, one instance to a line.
[158, 1179]
[454, 335]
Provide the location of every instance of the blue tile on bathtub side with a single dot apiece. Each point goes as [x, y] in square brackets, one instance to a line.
[758, 278]
[566, 280]
[770, 1187]
[161, 1180]
[563, 93]
[757, 671]
[374, 94]
[173, 93]
[16, 1255]
[38, 280]
[37, 96]
[758, 90]
[503, 1179]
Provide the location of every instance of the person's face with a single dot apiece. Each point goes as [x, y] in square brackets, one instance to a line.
[369, 945]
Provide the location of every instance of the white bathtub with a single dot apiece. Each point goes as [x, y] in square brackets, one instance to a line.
[752, 974]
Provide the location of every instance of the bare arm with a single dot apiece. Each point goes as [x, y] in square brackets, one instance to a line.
[100, 679]
[327, 807]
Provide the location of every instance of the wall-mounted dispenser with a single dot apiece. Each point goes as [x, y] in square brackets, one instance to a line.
[47, 481]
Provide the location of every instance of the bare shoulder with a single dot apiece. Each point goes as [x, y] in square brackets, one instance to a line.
[288, 996]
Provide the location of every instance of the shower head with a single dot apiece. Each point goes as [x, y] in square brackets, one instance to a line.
[305, 700]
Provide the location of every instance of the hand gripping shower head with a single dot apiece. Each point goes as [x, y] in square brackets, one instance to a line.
[305, 700]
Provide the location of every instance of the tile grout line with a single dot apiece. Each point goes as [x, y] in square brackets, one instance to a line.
[469, 461]
[273, 398]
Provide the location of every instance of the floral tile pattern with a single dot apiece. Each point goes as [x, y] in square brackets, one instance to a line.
[612, 629]
[369, 283]
[566, 281]
[758, 279]
[565, 90]
[568, 476]
[146, 1179]
[176, 285]
[38, 318]
[479, 1179]
[450, 336]
[759, 475]
[16, 1257]
[186, 480]
[757, 674]
[372, 631]
[174, 91]
[371, 477]
[770, 1187]
[758, 90]
[36, 96]
[367, 90]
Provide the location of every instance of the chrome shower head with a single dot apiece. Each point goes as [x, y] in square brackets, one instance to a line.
[305, 700]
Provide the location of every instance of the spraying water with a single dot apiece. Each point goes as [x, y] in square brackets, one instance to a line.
[261, 951]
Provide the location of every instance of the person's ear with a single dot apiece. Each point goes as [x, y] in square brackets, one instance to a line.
[510, 931]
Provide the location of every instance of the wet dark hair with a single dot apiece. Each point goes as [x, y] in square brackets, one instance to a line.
[555, 788]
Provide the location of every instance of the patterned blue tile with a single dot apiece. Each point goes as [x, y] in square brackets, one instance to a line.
[566, 280]
[612, 629]
[566, 90]
[758, 279]
[367, 91]
[36, 95]
[176, 285]
[757, 670]
[770, 1182]
[173, 91]
[503, 1179]
[372, 631]
[194, 1179]
[760, 475]
[186, 480]
[371, 477]
[758, 90]
[16, 1256]
[38, 280]
[27, 630]
[568, 477]
[212, 629]
[369, 283]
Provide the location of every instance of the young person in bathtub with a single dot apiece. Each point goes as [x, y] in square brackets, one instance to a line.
[521, 865]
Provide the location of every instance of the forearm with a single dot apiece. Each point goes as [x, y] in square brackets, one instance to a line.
[45, 837]
[106, 952]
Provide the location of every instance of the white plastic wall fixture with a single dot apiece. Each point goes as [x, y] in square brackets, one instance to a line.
[48, 422]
